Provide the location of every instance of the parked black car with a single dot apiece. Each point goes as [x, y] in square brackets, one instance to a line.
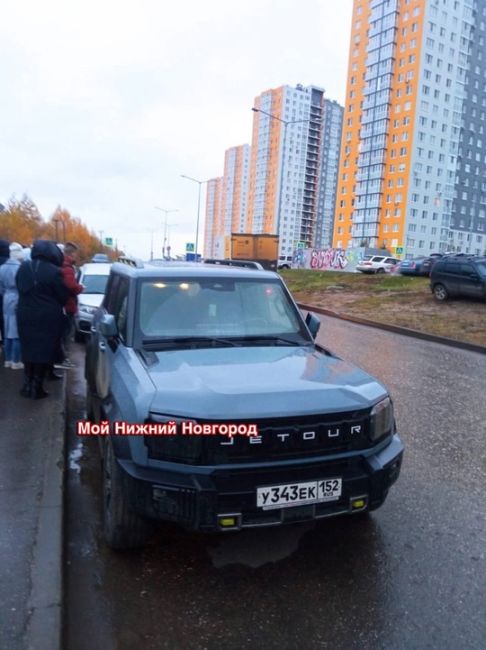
[429, 262]
[460, 275]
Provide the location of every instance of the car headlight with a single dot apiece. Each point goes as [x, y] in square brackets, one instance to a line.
[381, 419]
[88, 309]
[177, 448]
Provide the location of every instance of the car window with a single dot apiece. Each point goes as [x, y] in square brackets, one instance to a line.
[215, 307]
[481, 268]
[94, 283]
[367, 258]
[390, 260]
[467, 269]
[116, 302]
[450, 267]
[376, 258]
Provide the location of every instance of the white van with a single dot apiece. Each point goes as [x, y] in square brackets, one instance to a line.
[94, 276]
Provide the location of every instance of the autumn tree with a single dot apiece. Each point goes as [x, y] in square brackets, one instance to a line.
[21, 221]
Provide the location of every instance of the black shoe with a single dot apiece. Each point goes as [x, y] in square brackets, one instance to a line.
[38, 391]
[26, 390]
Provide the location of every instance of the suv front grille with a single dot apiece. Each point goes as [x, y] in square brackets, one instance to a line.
[279, 438]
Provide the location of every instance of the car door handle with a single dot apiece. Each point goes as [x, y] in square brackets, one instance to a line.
[102, 346]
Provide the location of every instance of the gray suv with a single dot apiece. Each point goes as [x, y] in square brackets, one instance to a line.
[459, 275]
[222, 411]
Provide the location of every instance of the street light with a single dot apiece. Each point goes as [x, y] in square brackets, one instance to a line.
[165, 225]
[285, 125]
[189, 178]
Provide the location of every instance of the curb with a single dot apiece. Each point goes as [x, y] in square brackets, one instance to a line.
[44, 628]
[395, 329]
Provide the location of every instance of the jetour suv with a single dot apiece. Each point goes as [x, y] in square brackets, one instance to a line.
[200, 350]
[460, 275]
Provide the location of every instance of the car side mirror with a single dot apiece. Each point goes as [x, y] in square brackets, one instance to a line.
[313, 323]
[108, 326]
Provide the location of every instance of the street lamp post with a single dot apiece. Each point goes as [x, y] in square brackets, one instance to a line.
[165, 226]
[285, 125]
[200, 183]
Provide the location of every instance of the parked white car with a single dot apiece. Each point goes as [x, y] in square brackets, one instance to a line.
[377, 264]
[94, 276]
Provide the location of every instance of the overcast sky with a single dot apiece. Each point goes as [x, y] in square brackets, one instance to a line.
[105, 103]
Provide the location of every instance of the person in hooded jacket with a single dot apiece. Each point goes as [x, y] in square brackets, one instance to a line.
[10, 298]
[4, 256]
[42, 296]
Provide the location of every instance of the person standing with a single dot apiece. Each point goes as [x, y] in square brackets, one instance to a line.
[10, 299]
[71, 252]
[4, 255]
[42, 296]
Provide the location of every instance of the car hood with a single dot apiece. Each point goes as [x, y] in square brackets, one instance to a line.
[90, 299]
[257, 382]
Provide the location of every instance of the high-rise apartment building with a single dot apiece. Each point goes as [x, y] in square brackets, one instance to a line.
[213, 221]
[235, 189]
[332, 120]
[294, 153]
[412, 167]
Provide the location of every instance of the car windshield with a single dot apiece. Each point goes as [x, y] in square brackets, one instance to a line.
[378, 259]
[94, 283]
[218, 308]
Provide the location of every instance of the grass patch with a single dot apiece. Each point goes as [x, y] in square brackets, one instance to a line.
[400, 300]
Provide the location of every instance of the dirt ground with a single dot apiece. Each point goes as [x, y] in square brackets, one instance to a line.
[460, 319]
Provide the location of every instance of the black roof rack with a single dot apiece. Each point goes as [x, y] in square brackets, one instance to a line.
[131, 261]
[249, 264]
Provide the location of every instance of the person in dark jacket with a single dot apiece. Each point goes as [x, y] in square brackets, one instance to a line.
[40, 318]
[4, 256]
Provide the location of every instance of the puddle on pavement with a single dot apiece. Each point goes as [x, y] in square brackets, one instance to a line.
[255, 548]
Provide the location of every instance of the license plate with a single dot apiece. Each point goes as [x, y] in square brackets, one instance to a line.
[297, 494]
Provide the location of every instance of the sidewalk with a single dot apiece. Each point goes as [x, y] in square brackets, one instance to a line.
[31, 515]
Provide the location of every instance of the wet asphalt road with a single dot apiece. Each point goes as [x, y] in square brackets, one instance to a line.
[412, 575]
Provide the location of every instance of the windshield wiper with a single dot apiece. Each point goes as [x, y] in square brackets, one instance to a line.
[174, 341]
[278, 340]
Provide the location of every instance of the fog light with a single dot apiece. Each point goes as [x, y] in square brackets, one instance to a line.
[358, 504]
[228, 521]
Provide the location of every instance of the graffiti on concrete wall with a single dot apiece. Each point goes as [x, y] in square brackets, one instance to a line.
[328, 259]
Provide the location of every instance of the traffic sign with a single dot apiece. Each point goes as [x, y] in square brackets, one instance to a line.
[190, 248]
[399, 250]
[301, 244]
[108, 241]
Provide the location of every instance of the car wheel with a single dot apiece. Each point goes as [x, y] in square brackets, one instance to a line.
[123, 529]
[78, 337]
[440, 292]
[90, 414]
[380, 270]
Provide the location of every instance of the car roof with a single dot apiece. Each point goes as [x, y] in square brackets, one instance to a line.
[190, 270]
[93, 268]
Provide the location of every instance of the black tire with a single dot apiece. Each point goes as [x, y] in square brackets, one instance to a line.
[440, 292]
[380, 270]
[123, 529]
[78, 337]
[90, 414]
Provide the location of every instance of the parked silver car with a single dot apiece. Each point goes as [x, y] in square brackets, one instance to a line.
[94, 276]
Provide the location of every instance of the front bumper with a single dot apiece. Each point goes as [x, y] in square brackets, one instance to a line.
[199, 498]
